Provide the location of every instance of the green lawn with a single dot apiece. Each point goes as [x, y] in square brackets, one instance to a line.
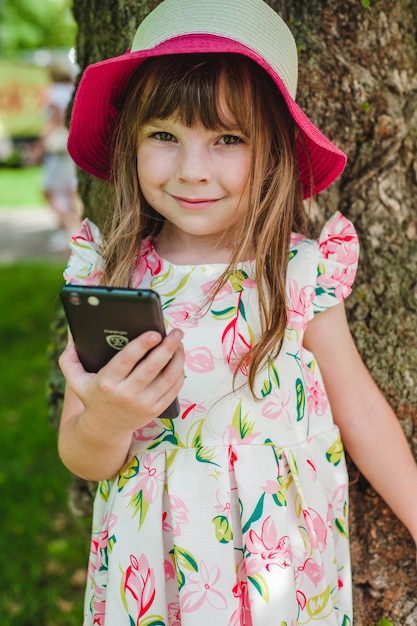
[43, 547]
[21, 188]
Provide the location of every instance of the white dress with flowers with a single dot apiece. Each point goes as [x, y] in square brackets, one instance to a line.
[234, 513]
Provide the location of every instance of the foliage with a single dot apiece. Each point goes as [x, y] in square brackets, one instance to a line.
[44, 546]
[21, 188]
[27, 25]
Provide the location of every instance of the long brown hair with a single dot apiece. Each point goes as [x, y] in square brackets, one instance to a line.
[190, 88]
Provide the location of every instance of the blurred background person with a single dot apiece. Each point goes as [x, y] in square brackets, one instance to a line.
[60, 180]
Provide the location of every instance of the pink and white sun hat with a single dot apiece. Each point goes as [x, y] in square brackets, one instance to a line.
[247, 27]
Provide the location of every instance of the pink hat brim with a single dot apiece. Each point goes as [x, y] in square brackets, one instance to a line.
[101, 93]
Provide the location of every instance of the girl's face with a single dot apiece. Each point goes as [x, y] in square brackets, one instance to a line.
[197, 179]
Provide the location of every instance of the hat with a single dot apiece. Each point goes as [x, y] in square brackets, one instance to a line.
[247, 27]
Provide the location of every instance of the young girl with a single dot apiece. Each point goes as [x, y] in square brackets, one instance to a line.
[234, 513]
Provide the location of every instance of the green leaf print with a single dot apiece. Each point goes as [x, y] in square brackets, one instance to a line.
[127, 472]
[240, 422]
[257, 513]
[185, 559]
[273, 379]
[152, 620]
[260, 585]
[347, 621]
[204, 454]
[292, 254]
[225, 314]
[242, 309]
[162, 279]
[140, 506]
[168, 434]
[104, 489]
[280, 497]
[341, 526]
[266, 389]
[236, 279]
[301, 398]
[223, 531]
[334, 454]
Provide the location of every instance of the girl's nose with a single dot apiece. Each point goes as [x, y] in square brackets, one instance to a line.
[193, 165]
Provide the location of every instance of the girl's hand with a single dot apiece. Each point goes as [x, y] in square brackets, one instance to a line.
[132, 389]
[101, 411]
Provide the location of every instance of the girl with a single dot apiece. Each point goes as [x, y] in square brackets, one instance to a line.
[234, 513]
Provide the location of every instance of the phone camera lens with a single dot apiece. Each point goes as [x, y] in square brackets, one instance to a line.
[75, 298]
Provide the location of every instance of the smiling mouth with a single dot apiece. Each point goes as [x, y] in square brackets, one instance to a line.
[195, 203]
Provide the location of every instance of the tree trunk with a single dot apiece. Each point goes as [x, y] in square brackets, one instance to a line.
[358, 82]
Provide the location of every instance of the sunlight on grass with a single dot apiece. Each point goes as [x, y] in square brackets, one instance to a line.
[44, 547]
[21, 188]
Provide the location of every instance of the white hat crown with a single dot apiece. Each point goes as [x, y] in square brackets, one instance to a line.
[250, 22]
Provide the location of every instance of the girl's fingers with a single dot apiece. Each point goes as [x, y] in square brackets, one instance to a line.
[69, 361]
[156, 361]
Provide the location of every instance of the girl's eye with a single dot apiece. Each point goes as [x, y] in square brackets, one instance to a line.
[163, 136]
[230, 140]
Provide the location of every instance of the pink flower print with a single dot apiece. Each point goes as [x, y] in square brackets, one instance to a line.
[139, 582]
[169, 570]
[340, 241]
[267, 550]
[174, 614]
[171, 522]
[277, 405]
[208, 287]
[99, 606]
[188, 408]
[316, 528]
[313, 571]
[147, 260]
[183, 314]
[337, 505]
[317, 401]
[223, 502]
[296, 238]
[233, 436]
[201, 589]
[199, 360]
[148, 432]
[312, 468]
[270, 487]
[299, 301]
[237, 339]
[233, 457]
[149, 479]
[99, 544]
[341, 279]
[242, 615]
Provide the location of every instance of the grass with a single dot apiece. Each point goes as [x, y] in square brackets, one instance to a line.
[43, 547]
[21, 188]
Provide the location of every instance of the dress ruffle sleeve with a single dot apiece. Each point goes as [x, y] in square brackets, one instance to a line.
[338, 254]
[86, 259]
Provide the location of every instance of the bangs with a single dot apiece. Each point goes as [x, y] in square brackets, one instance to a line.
[204, 89]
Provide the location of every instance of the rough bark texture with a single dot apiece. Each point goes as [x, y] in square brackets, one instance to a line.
[358, 82]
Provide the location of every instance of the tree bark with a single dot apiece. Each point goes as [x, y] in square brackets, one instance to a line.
[358, 82]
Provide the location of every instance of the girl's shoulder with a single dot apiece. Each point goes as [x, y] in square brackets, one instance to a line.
[326, 266]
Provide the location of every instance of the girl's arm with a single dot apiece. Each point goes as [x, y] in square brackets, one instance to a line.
[101, 411]
[370, 430]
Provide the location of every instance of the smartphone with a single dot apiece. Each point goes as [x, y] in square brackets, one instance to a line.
[103, 320]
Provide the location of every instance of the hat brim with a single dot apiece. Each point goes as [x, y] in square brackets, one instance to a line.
[101, 93]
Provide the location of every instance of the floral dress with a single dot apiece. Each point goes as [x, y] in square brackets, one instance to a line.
[235, 513]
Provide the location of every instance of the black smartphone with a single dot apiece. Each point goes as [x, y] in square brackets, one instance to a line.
[104, 319]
